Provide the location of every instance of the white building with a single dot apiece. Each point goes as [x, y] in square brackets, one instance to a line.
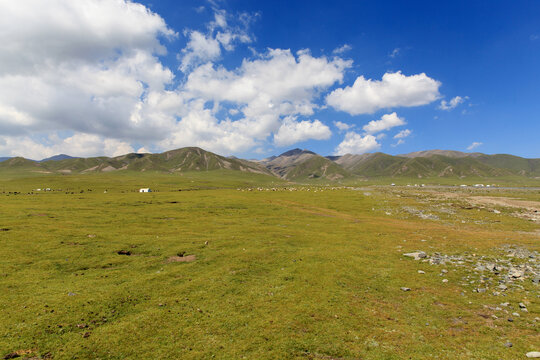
[145, 190]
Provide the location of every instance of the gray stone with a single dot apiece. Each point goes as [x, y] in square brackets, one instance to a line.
[508, 344]
[522, 306]
[516, 273]
[417, 255]
[533, 354]
[405, 288]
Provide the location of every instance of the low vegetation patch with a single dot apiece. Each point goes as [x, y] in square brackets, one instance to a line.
[240, 269]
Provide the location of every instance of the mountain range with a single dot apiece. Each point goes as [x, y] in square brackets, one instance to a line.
[296, 164]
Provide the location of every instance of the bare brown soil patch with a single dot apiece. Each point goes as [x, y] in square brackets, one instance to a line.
[188, 258]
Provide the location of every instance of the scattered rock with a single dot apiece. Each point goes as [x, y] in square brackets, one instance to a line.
[4, 229]
[86, 334]
[516, 273]
[508, 344]
[416, 255]
[522, 306]
[124, 252]
[71, 294]
[533, 354]
[428, 216]
[480, 268]
[82, 326]
[405, 288]
[91, 235]
[12, 356]
[421, 272]
[445, 280]
[18, 353]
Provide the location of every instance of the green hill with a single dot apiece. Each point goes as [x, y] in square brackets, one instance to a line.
[179, 160]
[293, 165]
[379, 165]
[515, 164]
[300, 164]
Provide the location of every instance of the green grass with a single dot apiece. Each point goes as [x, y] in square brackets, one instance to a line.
[278, 274]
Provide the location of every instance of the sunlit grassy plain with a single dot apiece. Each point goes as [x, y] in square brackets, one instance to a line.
[278, 274]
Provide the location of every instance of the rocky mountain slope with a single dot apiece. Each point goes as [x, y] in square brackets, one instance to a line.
[300, 164]
[514, 164]
[296, 164]
[179, 160]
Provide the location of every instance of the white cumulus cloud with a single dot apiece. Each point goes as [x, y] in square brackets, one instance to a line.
[403, 134]
[474, 145]
[343, 126]
[454, 102]
[354, 143]
[342, 49]
[87, 78]
[267, 89]
[386, 122]
[78, 144]
[394, 90]
[292, 131]
[395, 52]
[80, 66]
[200, 48]
[204, 47]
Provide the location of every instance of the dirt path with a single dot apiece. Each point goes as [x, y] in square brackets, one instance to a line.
[504, 201]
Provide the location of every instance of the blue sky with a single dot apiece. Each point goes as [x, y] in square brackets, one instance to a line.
[253, 79]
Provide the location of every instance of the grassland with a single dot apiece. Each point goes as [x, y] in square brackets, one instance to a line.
[303, 272]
